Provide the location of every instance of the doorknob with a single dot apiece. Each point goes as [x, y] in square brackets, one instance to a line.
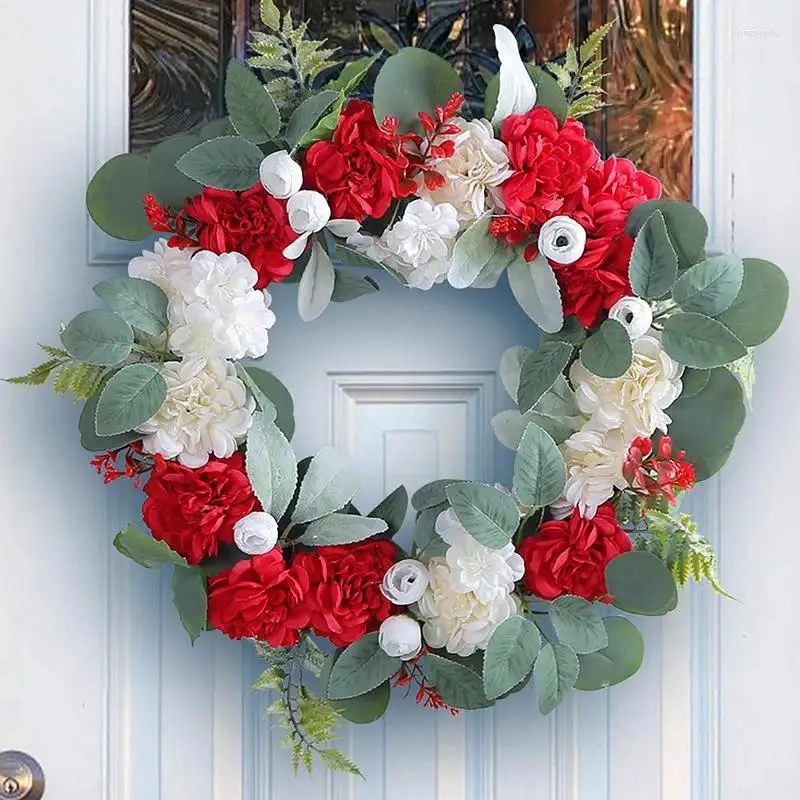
[21, 777]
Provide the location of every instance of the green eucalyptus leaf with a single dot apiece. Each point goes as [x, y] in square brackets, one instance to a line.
[711, 286]
[89, 437]
[129, 398]
[654, 264]
[114, 197]
[98, 337]
[190, 598]
[349, 287]
[392, 509]
[540, 370]
[554, 674]
[365, 708]
[639, 583]
[227, 162]
[694, 381]
[144, 549]
[510, 656]
[456, 684]
[608, 352]
[578, 623]
[571, 332]
[489, 515]
[432, 494]
[707, 466]
[167, 183]
[329, 485]
[142, 304]
[539, 470]
[615, 662]
[473, 250]
[427, 542]
[535, 288]
[362, 667]
[271, 465]
[699, 341]
[252, 110]
[341, 529]
[307, 115]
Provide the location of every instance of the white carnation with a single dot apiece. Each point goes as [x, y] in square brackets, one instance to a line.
[207, 410]
[159, 265]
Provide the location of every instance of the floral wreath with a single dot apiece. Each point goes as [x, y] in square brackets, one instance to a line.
[635, 393]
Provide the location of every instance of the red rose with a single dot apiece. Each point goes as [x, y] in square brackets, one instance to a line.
[550, 165]
[345, 596]
[260, 599]
[570, 556]
[193, 510]
[361, 170]
[252, 223]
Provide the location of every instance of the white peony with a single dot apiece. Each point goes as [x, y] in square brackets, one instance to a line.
[634, 314]
[562, 239]
[400, 637]
[159, 264]
[636, 401]
[256, 533]
[281, 175]
[474, 171]
[207, 410]
[405, 582]
[517, 91]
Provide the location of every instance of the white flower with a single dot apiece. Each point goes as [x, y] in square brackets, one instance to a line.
[458, 620]
[256, 533]
[207, 410]
[159, 264]
[400, 637]
[281, 175]
[634, 314]
[636, 401]
[562, 240]
[405, 582]
[474, 171]
[309, 213]
[517, 92]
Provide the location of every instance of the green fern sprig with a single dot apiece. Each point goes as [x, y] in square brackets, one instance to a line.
[69, 376]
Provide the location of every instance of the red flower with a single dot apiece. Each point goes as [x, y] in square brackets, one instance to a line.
[345, 597]
[570, 556]
[261, 599]
[252, 223]
[193, 510]
[362, 169]
[660, 474]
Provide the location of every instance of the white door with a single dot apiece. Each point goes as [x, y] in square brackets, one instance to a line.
[97, 680]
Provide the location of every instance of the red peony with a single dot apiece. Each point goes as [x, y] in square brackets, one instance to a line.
[570, 556]
[193, 510]
[252, 223]
[260, 599]
[361, 170]
[345, 597]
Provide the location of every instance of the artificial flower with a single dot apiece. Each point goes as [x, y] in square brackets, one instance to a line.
[405, 582]
[656, 473]
[634, 314]
[309, 213]
[400, 637]
[256, 533]
[562, 239]
[159, 264]
[281, 175]
[516, 90]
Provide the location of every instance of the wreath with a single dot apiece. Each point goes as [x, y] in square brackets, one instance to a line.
[634, 394]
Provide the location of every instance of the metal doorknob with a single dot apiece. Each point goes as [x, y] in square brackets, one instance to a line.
[21, 777]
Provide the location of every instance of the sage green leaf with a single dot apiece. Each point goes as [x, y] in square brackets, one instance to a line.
[307, 115]
[571, 332]
[710, 286]
[352, 75]
[271, 465]
[349, 287]
[539, 470]
[489, 515]
[535, 288]
[114, 197]
[455, 683]
[639, 583]
[190, 598]
[426, 540]
[326, 125]
[89, 438]
[617, 661]
[328, 485]
[654, 264]
[263, 403]
[706, 467]
[559, 402]
[472, 251]
[758, 309]
[315, 291]
[508, 427]
[432, 494]
[694, 381]
[392, 509]
[411, 81]
[216, 128]
[578, 623]
[341, 529]
[130, 398]
[548, 93]
[365, 708]
[608, 352]
[142, 304]
[540, 370]
[276, 393]
[98, 337]
[142, 548]
[699, 341]
[360, 668]
[554, 674]
[489, 276]
[511, 368]
[510, 655]
[342, 255]
[251, 108]
[165, 181]
[227, 162]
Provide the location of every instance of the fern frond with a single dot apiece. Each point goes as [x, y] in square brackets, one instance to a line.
[55, 352]
[270, 14]
[38, 375]
[338, 761]
[591, 47]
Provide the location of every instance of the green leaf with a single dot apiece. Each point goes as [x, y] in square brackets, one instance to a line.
[352, 75]
[142, 304]
[168, 184]
[432, 494]
[307, 114]
[316, 287]
[190, 599]
[489, 515]
[686, 227]
[639, 583]
[535, 288]
[410, 81]
[98, 337]
[342, 255]
[548, 93]
[392, 509]
[758, 309]
[349, 287]
[89, 438]
[325, 126]
[540, 370]
[455, 683]
[654, 263]
[114, 197]
[539, 470]
[130, 398]
[617, 661]
[510, 655]
[511, 368]
[360, 668]
[426, 540]
[489, 276]
[699, 341]
[577, 623]
[710, 286]
[694, 381]
[554, 674]
[280, 397]
[217, 128]
[472, 251]
[271, 465]
[144, 550]
[252, 111]
[341, 529]
[365, 708]
[571, 332]
[608, 352]
[227, 162]
[328, 486]
[270, 15]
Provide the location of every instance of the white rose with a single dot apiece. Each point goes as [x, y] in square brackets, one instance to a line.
[256, 533]
[562, 240]
[400, 637]
[517, 92]
[281, 175]
[405, 582]
[634, 314]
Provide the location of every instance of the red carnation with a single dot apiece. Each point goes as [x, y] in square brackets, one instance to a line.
[345, 596]
[260, 599]
[193, 510]
[569, 556]
[361, 170]
[252, 223]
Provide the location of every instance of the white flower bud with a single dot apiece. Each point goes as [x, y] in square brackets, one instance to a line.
[256, 534]
[405, 582]
[308, 211]
[634, 314]
[281, 175]
[400, 637]
[562, 239]
[517, 91]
